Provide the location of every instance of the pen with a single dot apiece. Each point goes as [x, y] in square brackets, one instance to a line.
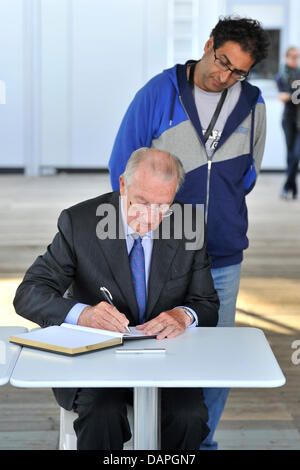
[108, 298]
[140, 351]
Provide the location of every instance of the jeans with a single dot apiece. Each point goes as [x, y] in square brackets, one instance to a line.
[292, 137]
[226, 282]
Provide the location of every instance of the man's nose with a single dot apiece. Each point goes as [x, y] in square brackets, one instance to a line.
[225, 76]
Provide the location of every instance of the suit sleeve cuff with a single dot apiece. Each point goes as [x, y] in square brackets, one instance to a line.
[195, 323]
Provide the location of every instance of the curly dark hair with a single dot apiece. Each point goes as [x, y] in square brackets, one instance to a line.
[248, 33]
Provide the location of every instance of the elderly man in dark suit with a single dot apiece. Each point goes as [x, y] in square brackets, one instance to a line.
[160, 282]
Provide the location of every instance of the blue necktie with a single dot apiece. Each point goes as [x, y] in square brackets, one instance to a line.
[137, 264]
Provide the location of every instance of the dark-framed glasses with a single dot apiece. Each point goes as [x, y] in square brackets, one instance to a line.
[238, 75]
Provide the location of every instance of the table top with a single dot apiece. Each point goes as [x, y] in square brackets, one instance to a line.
[8, 352]
[201, 357]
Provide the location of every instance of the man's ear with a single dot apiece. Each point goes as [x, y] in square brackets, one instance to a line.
[209, 44]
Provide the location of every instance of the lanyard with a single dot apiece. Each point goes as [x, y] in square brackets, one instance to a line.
[218, 108]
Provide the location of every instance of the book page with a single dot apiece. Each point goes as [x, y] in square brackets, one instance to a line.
[62, 337]
[87, 329]
[134, 333]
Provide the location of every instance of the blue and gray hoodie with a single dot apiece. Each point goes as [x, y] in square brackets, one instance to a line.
[163, 115]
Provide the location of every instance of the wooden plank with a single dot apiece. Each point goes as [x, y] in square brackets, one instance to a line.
[24, 440]
[256, 439]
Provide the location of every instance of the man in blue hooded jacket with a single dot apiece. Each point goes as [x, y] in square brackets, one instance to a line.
[206, 113]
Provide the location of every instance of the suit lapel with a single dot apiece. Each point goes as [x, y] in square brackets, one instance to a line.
[162, 256]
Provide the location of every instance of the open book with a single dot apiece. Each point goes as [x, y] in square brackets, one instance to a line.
[73, 339]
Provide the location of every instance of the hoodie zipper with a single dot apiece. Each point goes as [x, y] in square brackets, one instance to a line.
[209, 163]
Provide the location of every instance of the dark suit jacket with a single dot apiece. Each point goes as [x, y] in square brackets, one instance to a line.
[78, 262]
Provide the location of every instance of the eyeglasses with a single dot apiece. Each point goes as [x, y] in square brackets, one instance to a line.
[164, 209]
[237, 74]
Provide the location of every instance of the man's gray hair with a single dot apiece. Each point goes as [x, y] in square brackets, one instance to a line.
[166, 171]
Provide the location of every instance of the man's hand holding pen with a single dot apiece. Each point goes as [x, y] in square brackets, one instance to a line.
[105, 317]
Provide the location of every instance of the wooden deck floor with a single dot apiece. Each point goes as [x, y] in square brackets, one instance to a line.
[269, 298]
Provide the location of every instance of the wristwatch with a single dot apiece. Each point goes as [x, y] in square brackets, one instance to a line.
[189, 314]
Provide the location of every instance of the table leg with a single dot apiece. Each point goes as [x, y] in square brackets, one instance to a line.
[146, 418]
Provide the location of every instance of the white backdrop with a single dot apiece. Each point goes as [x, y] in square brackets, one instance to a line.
[71, 67]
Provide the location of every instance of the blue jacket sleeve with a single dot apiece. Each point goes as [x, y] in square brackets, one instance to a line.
[258, 140]
[136, 130]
